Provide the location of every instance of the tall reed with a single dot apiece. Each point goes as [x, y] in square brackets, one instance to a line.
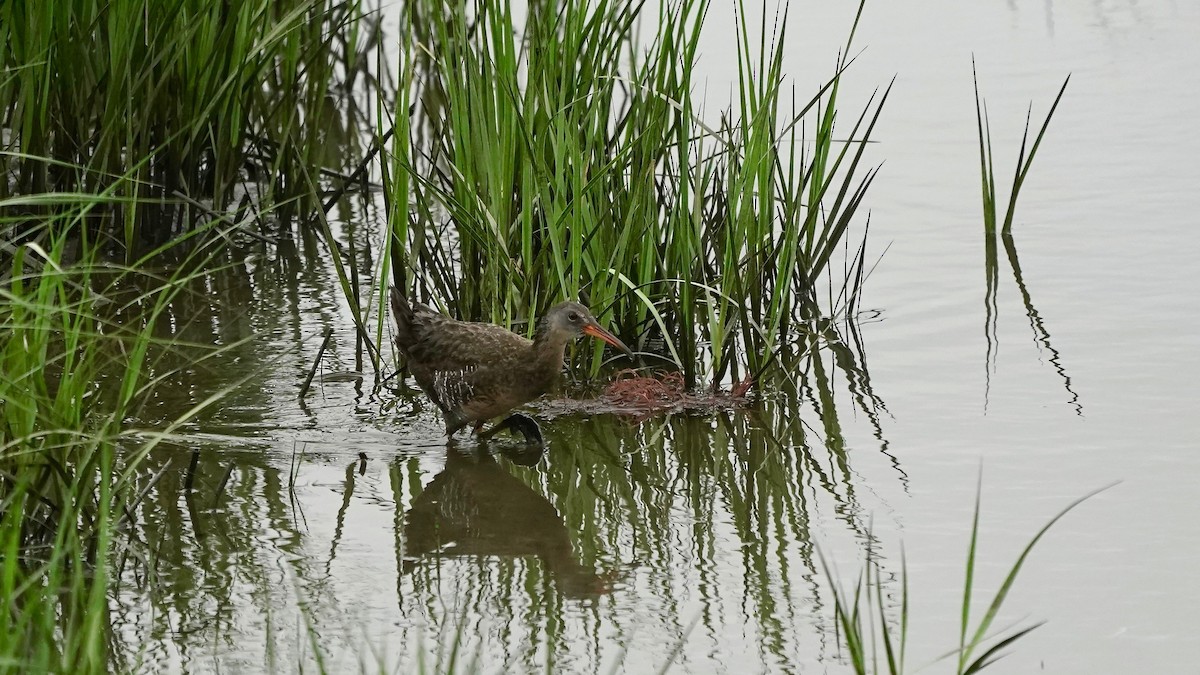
[214, 94]
[557, 154]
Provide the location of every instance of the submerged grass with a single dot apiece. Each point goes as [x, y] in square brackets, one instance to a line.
[557, 155]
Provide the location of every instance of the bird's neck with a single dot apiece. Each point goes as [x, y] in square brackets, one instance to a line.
[541, 333]
[548, 349]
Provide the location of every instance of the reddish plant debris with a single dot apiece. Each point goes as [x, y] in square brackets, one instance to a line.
[660, 392]
[629, 388]
[642, 396]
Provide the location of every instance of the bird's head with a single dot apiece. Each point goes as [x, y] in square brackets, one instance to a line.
[570, 320]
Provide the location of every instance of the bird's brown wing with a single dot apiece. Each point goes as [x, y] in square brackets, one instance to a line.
[459, 364]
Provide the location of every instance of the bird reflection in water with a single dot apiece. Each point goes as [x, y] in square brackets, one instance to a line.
[475, 507]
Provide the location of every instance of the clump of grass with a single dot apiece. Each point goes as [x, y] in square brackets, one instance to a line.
[867, 630]
[77, 346]
[564, 157]
[1005, 237]
[1024, 163]
[214, 94]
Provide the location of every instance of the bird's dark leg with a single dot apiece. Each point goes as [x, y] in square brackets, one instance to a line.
[526, 426]
[517, 423]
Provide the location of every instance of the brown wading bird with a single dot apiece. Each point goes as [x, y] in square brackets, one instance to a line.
[478, 371]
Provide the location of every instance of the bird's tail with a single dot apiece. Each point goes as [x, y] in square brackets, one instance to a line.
[402, 314]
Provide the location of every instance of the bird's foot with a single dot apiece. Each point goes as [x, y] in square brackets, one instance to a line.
[517, 423]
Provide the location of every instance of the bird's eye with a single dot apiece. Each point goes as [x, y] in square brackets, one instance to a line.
[573, 317]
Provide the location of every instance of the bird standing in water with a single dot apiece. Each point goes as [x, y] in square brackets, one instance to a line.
[475, 372]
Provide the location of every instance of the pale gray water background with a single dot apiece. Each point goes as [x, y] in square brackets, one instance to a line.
[703, 520]
[1107, 233]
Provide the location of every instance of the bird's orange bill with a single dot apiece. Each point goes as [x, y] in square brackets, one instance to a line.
[597, 332]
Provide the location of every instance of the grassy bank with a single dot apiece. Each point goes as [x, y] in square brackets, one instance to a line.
[122, 125]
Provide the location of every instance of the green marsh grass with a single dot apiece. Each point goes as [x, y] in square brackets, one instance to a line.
[80, 346]
[1024, 162]
[875, 639]
[994, 238]
[566, 155]
[223, 98]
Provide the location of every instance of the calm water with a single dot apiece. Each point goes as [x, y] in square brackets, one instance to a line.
[703, 532]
